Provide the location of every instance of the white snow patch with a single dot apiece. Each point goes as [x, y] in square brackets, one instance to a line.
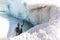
[4, 27]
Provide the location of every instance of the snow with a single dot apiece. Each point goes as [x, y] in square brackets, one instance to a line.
[4, 27]
[54, 2]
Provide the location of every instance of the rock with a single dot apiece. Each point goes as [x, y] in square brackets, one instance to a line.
[46, 31]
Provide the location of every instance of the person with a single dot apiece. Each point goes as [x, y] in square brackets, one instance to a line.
[18, 29]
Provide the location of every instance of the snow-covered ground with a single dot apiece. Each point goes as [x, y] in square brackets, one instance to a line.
[4, 27]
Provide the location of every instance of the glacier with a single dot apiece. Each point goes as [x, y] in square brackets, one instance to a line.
[49, 30]
[14, 11]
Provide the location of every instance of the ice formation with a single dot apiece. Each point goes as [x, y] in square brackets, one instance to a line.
[46, 31]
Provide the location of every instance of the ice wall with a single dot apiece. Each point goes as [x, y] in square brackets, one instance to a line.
[46, 31]
[16, 10]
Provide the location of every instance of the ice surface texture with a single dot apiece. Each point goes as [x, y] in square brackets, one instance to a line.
[47, 31]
